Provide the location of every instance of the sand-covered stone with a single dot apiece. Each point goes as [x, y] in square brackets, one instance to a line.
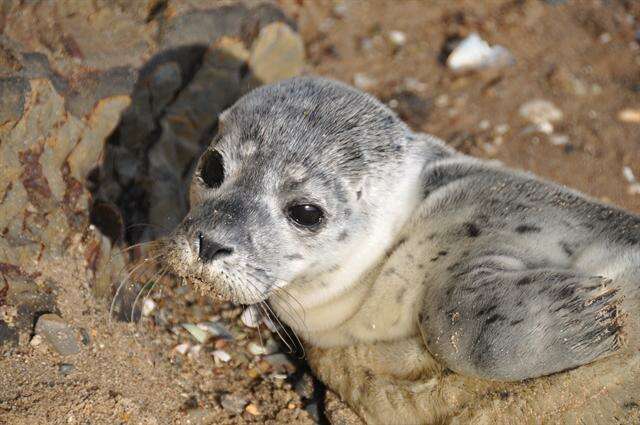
[60, 336]
[277, 53]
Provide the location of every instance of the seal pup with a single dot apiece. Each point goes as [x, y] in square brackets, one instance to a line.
[428, 286]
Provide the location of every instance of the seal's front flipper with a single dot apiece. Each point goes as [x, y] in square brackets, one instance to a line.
[514, 325]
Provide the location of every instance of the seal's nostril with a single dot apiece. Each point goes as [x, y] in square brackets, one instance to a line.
[209, 250]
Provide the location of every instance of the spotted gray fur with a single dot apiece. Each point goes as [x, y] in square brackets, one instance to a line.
[520, 277]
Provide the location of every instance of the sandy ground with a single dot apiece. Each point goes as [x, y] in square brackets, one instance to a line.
[583, 56]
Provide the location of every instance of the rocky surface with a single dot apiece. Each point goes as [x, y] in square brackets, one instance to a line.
[105, 107]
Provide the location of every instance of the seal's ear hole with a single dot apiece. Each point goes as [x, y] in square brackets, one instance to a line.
[212, 169]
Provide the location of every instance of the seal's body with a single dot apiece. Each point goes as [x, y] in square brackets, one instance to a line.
[400, 261]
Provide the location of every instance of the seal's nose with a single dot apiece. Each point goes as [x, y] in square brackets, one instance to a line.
[209, 250]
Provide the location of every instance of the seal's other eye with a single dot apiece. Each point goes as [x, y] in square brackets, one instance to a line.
[212, 169]
[305, 215]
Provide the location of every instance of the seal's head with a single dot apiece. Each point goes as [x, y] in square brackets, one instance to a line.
[298, 176]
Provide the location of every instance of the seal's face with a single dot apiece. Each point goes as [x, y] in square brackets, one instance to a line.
[282, 191]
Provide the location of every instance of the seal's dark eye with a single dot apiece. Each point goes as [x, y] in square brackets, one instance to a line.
[212, 169]
[306, 215]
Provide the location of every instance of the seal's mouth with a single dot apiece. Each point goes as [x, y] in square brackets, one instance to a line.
[206, 288]
[233, 279]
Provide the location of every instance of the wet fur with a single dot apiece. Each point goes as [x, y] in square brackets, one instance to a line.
[439, 285]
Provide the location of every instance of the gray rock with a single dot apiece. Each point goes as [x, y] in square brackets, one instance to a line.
[66, 368]
[58, 334]
[202, 26]
[280, 362]
[314, 411]
[233, 404]
[304, 387]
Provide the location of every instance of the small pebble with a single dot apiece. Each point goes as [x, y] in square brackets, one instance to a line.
[502, 129]
[490, 148]
[148, 306]
[414, 84]
[559, 139]
[264, 366]
[182, 348]
[252, 409]
[272, 346]
[281, 362]
[195, 351]
[340, 9]
[442, 100]
[66, 368]
[253, 373]
[473, 53]
[540, 111]
[256, 349]
[250, 317]
[604, 38]
[36, 340]
[280, 376]
[398, 38]
[627, 172]
[216, 329]
[233, 404]
[222, 356]
[629, 115]
[58, 334]
[196, 332]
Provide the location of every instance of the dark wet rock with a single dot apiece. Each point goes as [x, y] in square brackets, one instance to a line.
[60, 336]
